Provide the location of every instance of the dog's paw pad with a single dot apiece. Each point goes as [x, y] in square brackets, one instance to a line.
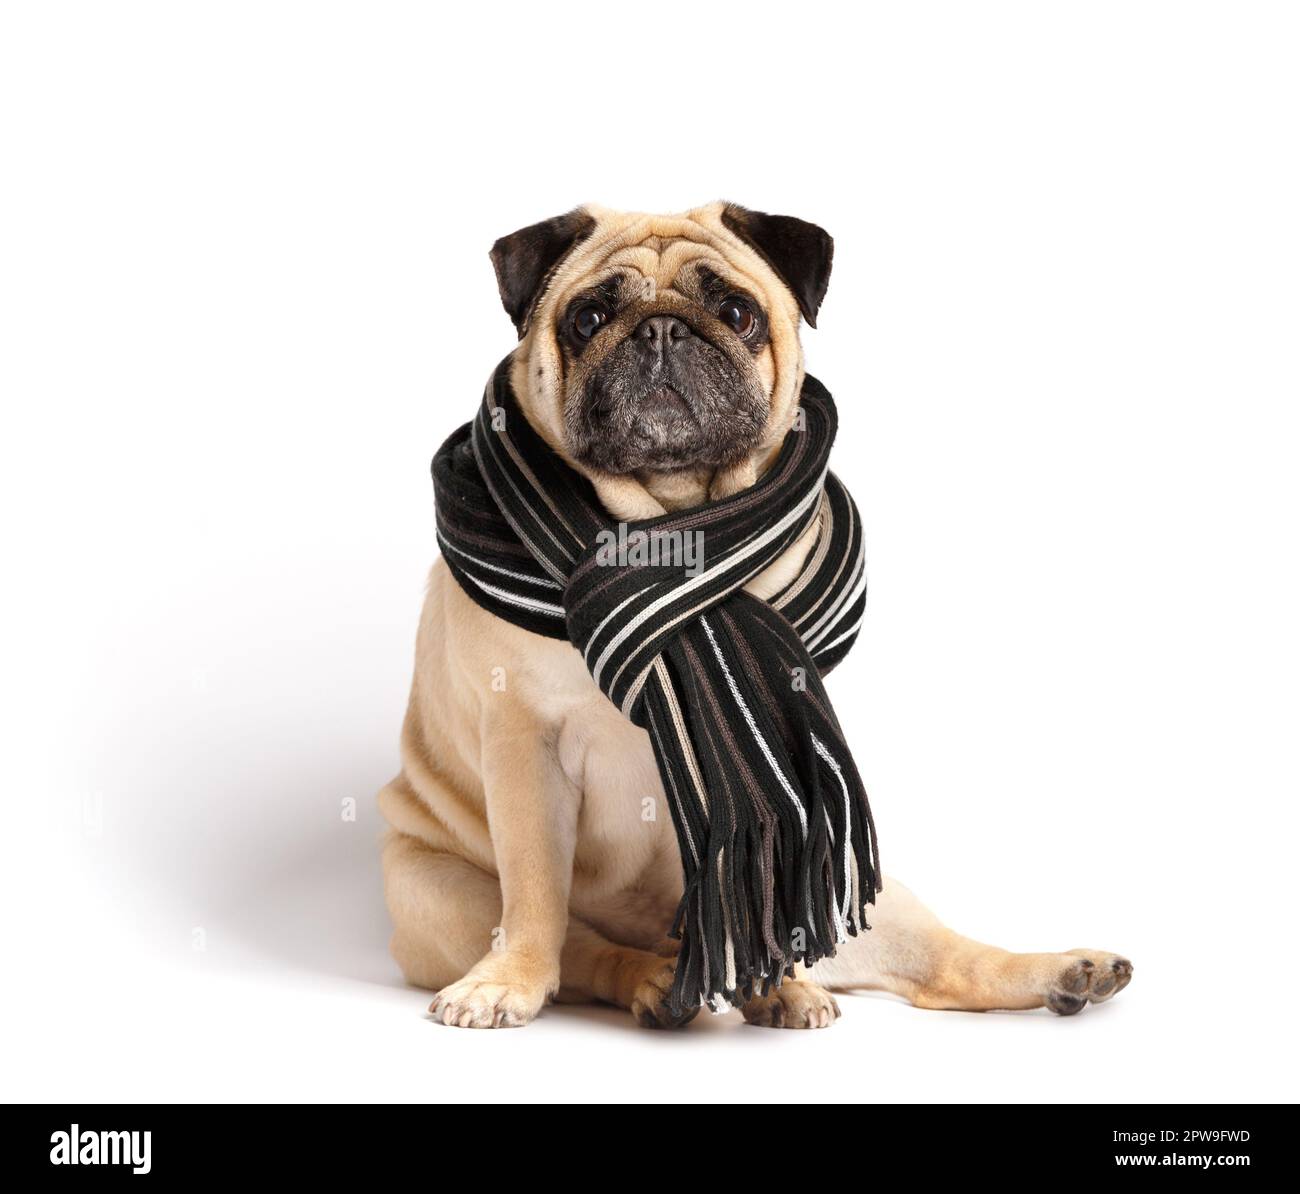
[1063, 1003]
[1094, 978]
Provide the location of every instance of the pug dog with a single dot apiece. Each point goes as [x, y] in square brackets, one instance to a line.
[660, 357]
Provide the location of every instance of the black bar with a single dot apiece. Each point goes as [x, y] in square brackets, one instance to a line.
[339, 1142]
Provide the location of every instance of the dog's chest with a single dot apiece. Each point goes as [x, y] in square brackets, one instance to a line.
[623, 824]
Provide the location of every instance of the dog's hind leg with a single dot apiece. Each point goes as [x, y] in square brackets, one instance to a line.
[797, 1003]
[446, 912]
[593, 968]
[447, 915]
[910, 953]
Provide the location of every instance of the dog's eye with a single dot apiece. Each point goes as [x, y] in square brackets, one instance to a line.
[588, 320]
[738, 315]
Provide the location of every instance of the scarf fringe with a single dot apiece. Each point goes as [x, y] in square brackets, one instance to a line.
[778, 843]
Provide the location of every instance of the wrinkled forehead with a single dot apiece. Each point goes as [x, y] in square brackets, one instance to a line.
[667, 252]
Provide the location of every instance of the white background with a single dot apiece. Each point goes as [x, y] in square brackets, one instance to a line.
[245, 293]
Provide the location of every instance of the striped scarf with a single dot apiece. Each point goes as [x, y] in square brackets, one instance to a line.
[777, 842]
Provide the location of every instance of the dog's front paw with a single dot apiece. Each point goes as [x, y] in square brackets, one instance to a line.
[650, 999]
[796, 1003]
[1094, 978]
[495, 994]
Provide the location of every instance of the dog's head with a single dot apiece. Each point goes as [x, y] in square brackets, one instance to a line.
[654, 346]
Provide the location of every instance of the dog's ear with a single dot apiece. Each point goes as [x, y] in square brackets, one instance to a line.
[525, 260]
[798, 251]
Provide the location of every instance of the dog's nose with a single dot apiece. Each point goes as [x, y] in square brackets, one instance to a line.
[660, 331]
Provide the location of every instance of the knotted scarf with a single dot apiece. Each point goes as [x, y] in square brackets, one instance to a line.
[777, 843]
